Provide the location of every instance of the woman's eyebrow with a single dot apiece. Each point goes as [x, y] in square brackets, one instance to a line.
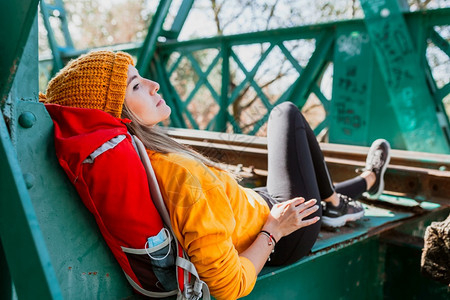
[131, 79]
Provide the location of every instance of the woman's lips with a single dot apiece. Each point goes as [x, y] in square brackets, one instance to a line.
[160, 102]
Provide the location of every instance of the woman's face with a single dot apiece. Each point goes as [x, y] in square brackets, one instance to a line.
[142, 99]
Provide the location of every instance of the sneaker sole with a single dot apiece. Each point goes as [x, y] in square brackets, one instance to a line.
[381, 186]
[340, 221]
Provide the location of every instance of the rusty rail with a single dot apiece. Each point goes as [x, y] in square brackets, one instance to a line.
[422, 176]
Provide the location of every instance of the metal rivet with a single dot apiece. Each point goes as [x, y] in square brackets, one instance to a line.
[385, 12]
[27, 119]
[29, 180]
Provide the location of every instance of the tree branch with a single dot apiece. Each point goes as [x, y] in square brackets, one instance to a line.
[216, 10]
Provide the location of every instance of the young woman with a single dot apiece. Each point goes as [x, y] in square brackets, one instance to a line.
[229, 232]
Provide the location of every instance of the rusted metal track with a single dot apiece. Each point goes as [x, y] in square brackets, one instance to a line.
[422, 176]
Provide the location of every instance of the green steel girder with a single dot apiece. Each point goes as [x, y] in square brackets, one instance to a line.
[222, 116]
[308, 78]
[249, 75]
[180, 18]
[6, 284]
[250, 78]
[404, 78]
[353, 80]
[439, 41]
[274, 35]
[203, 78]
[315, 89]
[432, 17]
[439, 94]
[149, 45]
[147, 48]
[46, 11]
[57, 10]
[21, 237]
[254, 85]
[376, 97]
[17, 17]
[352, 271]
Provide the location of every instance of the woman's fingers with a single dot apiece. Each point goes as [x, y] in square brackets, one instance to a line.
[309, 208]
[306, 205]
[308, 222]
[292, 204]
[297, 201]
[308, 211]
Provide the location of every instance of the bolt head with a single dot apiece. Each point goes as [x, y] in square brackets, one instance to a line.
[29, 180]
[27, 119]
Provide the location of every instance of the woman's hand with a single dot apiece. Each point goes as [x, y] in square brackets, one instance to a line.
[287, 217]
[284, 218]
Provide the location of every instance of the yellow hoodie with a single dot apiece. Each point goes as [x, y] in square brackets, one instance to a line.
[214, 219]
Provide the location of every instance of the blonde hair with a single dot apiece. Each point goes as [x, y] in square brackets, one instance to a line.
[155, 139]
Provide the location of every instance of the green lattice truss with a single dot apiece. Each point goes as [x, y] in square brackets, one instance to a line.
[382, 84]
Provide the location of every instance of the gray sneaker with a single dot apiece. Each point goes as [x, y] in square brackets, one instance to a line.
[377, 161]
[337, 216]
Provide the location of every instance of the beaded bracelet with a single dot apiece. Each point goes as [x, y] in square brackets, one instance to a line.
[272, 241]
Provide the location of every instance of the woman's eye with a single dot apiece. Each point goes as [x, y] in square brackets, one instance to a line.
[136, 86]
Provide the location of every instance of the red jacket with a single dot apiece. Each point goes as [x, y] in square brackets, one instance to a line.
[111, 181]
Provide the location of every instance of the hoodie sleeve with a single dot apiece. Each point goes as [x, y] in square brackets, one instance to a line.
[203, 221]
[206, 227]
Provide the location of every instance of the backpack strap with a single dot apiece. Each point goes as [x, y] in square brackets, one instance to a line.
[197, 287]
[189, 288]
[152, 182]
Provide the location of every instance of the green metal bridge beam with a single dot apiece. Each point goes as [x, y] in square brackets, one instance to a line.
[400, 67]
[374, 94]
[203, 78]
[351, 112]
[315, 89]
[56, 11]
[248, 75]
[17, 17]
[154, 31]
[21, 236]
[439, 94]
[22, 241]
[180, 18]
[221, 118]
[300, 88]
[56, 54]
[147, 49]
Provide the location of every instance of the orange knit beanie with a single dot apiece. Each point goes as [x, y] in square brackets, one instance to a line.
[95, 80]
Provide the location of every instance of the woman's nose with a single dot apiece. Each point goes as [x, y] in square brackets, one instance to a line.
[154, 87]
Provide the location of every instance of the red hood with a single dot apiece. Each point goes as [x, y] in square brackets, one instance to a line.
[80, 131]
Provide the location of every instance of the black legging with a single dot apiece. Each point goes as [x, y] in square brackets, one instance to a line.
[297, 168]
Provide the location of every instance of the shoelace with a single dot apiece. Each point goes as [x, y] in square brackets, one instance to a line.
[345, 199]
[348, 202]
[377, 162]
